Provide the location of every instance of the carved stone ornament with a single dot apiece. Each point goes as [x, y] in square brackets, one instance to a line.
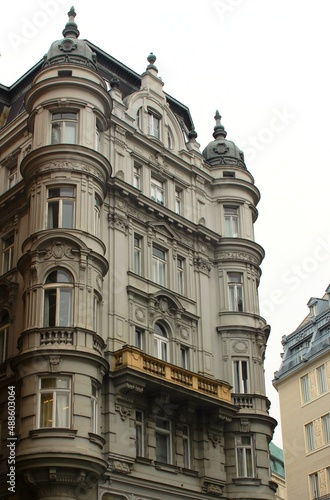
[213, 489]
[237, 256]
[221, 148]
[202, 266]
[215, 437]
[124, 408]
[240, 346]
[119, 466]
[58, 250]
[140, 314]
[244, 425]
[54, 364]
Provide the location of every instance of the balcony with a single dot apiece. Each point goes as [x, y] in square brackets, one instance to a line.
[156, 369]
[254, 403]
[54, 338]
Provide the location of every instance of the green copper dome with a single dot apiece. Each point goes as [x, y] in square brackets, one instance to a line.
[70, 49]
[221, 151]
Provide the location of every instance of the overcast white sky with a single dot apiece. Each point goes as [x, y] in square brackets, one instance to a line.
[264, 65]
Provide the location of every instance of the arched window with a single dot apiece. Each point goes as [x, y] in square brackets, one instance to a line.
[4, 324]
[58, 299]
[160, 342]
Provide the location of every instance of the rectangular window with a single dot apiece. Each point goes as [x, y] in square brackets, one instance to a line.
[153, 125]
[159, 266]
[314, 485]
[180, 275]
[241, 376]
[97, 215]
[157, 191]
[137, 254]
[231, 222]
[7, 253]
[184, 357]
[322, 379]
[326, 428]
[12, 176]
[3, 342]
[178, 201]
[54, 402]
[96, 312]
[235, 288]
[305, 388]
[186, 447]
[138, 341]
[137, 176]
[64, 128]
[139, 430]
[310, 439]
[244, 456]
[60, 207]
[163, 440]
[95, 409]
[97, 138]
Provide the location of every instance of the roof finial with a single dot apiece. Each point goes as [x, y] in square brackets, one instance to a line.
[219, 129]
[71, 28]
[151, 60]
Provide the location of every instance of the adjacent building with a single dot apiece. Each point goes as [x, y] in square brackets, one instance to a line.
[303, 384]
[278, 470]
[129, 316]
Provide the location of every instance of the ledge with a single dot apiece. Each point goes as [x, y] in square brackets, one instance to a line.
[247, 481]
[51, 432]
[97, 439]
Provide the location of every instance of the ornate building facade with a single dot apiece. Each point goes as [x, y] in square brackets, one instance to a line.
[130, 327]
[303, 385]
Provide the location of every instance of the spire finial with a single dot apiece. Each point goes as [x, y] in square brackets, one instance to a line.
[71, 28]
[219, 129]
[151, 60]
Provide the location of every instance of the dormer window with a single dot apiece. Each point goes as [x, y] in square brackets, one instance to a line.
[153, 125]
[64, 128]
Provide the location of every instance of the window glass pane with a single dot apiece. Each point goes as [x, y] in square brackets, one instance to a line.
[50, 307]
[70, 133]
[240, 462]
[53, 211]
[62, 410]
[66, 192]
[65, 307]
[46, 410]
[67, 214]
[162, 448]
[56, 133]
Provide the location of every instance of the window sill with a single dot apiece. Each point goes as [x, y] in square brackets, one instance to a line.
[167, 467]
[247, 481]
[97, 439]
[58, 432]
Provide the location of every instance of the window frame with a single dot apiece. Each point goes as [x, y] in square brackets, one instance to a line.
[63, 123]
[137, 254]
[54, 392]
[161, 342]
[241, 385]
[241, 453]
[49, 293]
[180, 269]
[326, 428]
[186, 446]
[322, 382]
[159, 265]
[8, 252]
[4, 329]
[95, 409]
[167, 434]
[157, 191]
[178, 200]
[137, 175]
[310, 437]
[139, 433]
[154, 124]
[231, 226]
[235, 291]
[97, 215]
[305, 388]
[60, 200]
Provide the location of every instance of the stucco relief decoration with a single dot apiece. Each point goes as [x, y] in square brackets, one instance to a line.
[184, 333]
[202, 266]
[221, 148]
[213, 489]
[240, 346]
[237, 256]
[140, 314]
[261, 344]
[119, 466]
[54, 364]
[69, 165]
[244, 425]
[67, 45]
[215, 437]
[99, 281]
[58, 250]
[124, 411]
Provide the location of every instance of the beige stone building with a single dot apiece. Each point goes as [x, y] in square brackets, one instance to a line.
[131, 339]
[303, 384]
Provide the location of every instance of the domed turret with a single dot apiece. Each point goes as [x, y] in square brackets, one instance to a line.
[221, 151]
[70, 49]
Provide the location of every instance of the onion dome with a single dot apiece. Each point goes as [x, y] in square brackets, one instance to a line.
[221, 151]
[70, 49]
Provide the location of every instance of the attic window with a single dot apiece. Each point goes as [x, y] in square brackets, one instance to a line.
[229, 174]
[64, 73]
